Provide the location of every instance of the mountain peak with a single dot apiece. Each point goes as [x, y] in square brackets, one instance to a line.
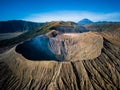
[85, 21]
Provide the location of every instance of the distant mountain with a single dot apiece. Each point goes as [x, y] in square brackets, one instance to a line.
[17, 26]
[85, 21]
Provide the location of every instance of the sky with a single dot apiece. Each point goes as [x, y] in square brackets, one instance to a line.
[59, 10]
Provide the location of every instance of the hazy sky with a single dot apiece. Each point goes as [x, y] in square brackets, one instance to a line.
[54, 10]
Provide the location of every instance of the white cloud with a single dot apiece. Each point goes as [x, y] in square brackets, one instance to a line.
[72, 16]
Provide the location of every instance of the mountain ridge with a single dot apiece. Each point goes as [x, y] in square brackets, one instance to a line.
[18, 26]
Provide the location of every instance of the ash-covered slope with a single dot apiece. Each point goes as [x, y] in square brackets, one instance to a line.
[76, 46]
[100, 27]
[100, 73]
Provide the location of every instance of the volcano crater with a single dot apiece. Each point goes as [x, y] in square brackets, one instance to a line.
[64, 47]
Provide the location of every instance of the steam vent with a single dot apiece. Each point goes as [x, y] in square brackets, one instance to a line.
[62, 61]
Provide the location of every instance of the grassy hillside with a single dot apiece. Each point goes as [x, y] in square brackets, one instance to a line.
[17, 26]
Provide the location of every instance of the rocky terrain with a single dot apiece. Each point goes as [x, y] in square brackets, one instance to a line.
[85, 61]
[76, 46]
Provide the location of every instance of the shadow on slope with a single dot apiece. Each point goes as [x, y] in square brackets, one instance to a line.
[36, 49]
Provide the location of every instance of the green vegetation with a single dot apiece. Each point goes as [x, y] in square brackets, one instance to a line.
[17, 26]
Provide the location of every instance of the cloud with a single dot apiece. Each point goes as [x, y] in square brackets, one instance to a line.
[72, 16]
